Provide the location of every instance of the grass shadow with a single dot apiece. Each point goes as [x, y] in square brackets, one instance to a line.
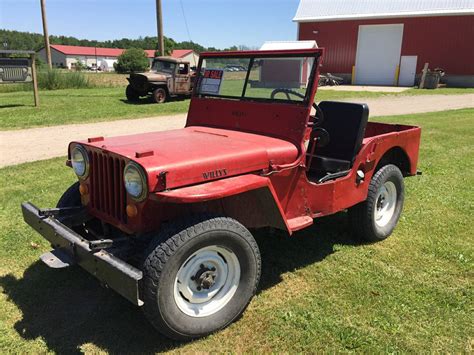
[67, 308]
[141, 101]
[12, 105]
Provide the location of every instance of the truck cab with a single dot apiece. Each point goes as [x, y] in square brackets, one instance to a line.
[165, 218]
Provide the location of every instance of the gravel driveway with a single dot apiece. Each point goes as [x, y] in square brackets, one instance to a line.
[43, 143]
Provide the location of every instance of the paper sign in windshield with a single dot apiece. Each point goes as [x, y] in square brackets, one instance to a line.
[211, 81]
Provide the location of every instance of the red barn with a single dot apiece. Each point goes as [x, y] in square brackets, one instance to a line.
[387, 42]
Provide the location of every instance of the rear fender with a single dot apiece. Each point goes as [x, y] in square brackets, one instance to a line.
[250, 199]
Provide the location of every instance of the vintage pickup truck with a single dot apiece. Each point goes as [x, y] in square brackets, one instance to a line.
[165, 218]
[167, 78]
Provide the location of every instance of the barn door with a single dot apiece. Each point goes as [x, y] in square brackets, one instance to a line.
[407, 70]
[378, 54]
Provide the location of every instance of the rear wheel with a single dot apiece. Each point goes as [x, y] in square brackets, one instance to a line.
[376, 218]
[199, 276]
[160, 95]
[132, 94]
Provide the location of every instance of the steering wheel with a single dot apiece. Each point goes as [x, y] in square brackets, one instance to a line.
[317, 119]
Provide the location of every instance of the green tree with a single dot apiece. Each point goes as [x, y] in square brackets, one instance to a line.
[132, 60]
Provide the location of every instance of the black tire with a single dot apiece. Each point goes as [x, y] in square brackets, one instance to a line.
[71, 197]
[160, 95]
[362, 216]
[168, 254]
[132, 94]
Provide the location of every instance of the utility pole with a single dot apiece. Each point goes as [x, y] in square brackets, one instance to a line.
[159, 27]
[46, 36]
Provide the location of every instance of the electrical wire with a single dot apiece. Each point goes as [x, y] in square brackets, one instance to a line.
[185, 21]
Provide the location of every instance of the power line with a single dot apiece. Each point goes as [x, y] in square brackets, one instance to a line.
[185, 21]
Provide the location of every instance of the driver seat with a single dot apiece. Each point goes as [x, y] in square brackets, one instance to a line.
[345, 123]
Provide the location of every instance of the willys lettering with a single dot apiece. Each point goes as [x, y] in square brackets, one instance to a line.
[214, 174]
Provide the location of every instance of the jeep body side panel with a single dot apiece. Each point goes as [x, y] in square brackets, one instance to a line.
[238, 197]
[301, 197]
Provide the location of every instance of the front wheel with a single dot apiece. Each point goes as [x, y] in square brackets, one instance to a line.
[132, 94]
[160, 95]
[199, 276]
[376, 218]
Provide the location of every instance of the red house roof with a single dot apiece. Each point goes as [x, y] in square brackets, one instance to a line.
[92, 51]
[180, 53]
[110, 52]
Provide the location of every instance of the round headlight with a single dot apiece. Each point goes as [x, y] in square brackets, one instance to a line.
[80, 161]
[135, 181]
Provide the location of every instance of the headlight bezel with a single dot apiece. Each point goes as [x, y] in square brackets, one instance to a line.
[143, 177]
[85, 156]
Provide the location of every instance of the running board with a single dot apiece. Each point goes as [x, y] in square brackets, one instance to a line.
[298, 223]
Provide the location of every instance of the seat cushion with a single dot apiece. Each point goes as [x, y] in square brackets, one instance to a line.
[330, 165]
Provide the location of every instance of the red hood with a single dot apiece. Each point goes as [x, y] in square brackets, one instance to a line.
[195, 154]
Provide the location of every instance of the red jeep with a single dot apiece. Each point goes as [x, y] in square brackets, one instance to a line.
[164, 218]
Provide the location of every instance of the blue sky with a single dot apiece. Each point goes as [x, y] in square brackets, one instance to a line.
[217, 23]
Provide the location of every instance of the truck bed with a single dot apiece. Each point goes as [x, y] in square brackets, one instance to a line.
[376, 129]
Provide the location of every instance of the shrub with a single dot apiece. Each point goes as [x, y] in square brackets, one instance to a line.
[132, 60]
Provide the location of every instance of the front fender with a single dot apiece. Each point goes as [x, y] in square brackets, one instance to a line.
[259, 187]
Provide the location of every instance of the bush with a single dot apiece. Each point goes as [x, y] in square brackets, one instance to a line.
[132, 60]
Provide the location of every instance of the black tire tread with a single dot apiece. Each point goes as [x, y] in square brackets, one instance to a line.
[360, 223]
[70, 197]
[166, 244]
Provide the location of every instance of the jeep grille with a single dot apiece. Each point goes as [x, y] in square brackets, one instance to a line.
[14, 74]
[107, 187]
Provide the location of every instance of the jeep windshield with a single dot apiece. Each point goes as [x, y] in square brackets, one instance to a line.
[163, 66]
[256, 76]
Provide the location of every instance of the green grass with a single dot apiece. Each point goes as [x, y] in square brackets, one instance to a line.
[320, 290]
[77, 106]
[107, 104]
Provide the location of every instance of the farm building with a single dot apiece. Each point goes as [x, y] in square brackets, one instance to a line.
[387, 42]
[294, 73]
[67, 56]
[186, 54]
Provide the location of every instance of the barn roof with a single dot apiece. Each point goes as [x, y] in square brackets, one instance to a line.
[332, 10]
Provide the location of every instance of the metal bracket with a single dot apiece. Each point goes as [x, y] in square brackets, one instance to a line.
[57, 259]
[100, 244]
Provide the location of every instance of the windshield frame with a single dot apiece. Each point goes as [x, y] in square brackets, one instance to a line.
[164, 61]
[253, 55]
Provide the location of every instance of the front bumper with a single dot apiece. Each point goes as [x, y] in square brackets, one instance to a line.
[107, 268]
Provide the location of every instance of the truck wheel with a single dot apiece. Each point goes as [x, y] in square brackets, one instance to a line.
[132, 94]
[376, 218]
[160, 95]
[199, 276]
[71, 197]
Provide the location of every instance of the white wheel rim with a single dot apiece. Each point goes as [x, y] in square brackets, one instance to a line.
[385, 204]
[206, 281]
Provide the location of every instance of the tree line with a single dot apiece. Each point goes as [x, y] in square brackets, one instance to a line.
[34, 41]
